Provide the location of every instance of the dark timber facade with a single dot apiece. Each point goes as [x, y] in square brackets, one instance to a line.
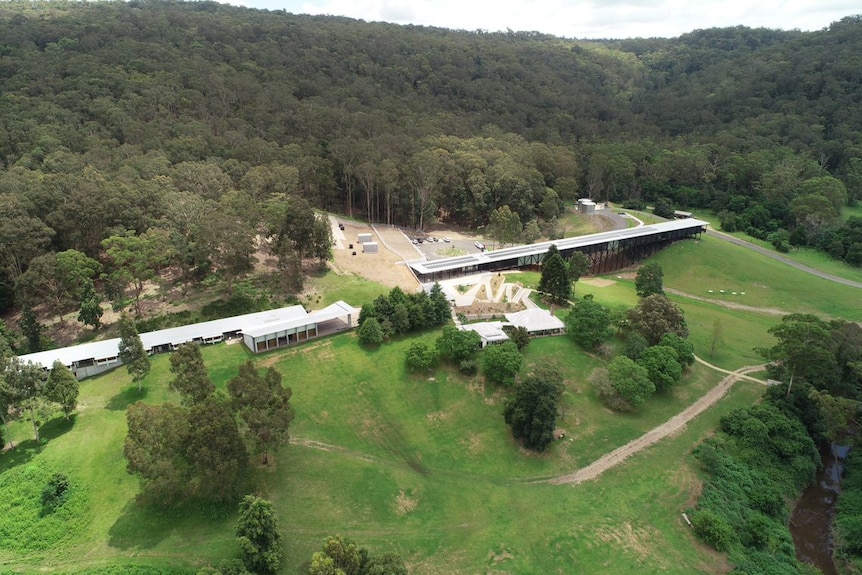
[607, 251]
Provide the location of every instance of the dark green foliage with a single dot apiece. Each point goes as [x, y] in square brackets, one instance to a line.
[191, 379]
[684, 348]
[236, 304]
[760, 460]
[90, 306]
[62, 388]
[848, 521]
[226, 567]
[663, 208]
[714, 529]
[501, 363]
[55, 493]
[468, 367]
[370, 333]
[649, 280]
[630, 380]
[132, 352]
[167, 320]
[456, 345]
[577, 266]
[635, 345]
[420, 358]
[341, 556]
[23, 386]
[661, 364]
[399, 313]
[32, 330]
[386, 564]
[533, 409]
[555, 281]
[656, 315]
[258, 536]
[263, 406]
[819, 353]
[589, 323]
[154, 448]
[519, 336]
[215, 451]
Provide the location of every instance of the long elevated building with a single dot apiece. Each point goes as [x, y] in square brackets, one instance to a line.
[607, 251]
[259, 331]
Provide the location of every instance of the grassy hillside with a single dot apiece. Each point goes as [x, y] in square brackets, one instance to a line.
[423, 466]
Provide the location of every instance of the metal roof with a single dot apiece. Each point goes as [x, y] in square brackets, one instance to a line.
[333, 311]
[535, 319]
[265, 321]
[423, 267]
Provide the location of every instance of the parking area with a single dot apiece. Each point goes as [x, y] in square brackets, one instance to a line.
[436, 247]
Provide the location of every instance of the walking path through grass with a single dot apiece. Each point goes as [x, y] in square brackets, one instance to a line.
[617, 456]
[672, 425]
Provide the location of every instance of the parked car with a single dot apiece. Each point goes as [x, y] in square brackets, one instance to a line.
[480, 246]
[447, 240]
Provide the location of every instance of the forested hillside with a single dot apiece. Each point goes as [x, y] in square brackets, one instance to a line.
[184, 120]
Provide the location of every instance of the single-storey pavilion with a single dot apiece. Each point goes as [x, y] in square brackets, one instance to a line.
[271, 329]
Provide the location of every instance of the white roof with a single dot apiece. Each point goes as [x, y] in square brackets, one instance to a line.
[95, 350]
[336, 310]
[489, 331]
[535, 319]
[514, 253]
[263, 321]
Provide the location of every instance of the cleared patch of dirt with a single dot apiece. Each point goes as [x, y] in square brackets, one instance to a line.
[597, 282]
[404, 504]
[386, 267]
[472, 444]
[639, 541]
[502, 555]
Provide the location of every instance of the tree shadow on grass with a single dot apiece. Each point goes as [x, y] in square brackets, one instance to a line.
[140, 527]
[24, 451]
[56, 427]
[125, 398]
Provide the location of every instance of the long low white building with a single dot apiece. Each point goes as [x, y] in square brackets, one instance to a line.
[260, 331]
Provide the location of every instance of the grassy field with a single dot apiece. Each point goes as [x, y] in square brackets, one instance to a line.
[806, 256]
[424, 466]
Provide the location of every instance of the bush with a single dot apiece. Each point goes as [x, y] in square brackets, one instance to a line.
[468, 367]
[55, 493]
[370, 333]
[713, 529]
[420, 358]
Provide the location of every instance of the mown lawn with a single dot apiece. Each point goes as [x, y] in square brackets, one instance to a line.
[423, 465]
[696, 267]
[425, 468]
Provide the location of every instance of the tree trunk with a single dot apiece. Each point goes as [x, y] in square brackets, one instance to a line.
[33, 419]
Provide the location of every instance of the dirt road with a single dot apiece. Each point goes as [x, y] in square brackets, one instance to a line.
[669, 427]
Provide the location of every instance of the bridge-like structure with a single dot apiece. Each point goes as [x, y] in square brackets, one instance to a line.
[606, 251]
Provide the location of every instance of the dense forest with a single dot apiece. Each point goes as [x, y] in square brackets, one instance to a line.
[188, 131]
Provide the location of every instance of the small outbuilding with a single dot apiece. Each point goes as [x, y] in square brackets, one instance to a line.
[586, 206]
[491, 332]
[363, 238]
[537, 322]
[370, 248]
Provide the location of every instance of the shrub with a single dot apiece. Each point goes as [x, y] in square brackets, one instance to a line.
[713, 529]
[55, 493]
[468, 367]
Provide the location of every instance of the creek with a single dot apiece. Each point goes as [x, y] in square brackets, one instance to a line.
[811, 520]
